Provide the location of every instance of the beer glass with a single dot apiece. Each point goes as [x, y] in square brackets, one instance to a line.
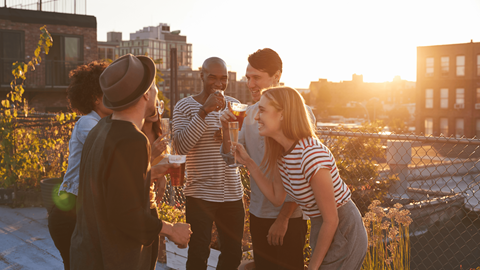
[233, 128]
[177, 175]
[240, 111]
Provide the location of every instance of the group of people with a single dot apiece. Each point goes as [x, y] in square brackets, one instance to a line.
[293, 176]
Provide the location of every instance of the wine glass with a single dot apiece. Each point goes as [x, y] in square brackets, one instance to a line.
[233, 128]
[160, 105]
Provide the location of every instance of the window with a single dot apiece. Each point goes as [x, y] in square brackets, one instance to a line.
[460, 96]
[445, 65]
[110, 54]
[444, 126]
[444, 98]
[478, 128]
[428, 126]
[459, 128]
[429, 71]
[65, 54]
[478, 64]
[11, 50]
[461, 65]
[429, 98]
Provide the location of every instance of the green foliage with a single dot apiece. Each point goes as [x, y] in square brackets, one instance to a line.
[172, 214]
[356, 162]
[26, 154]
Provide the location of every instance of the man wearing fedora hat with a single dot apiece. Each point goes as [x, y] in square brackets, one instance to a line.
[115, 228]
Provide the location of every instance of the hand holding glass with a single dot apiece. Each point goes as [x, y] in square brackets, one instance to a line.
[233, 128]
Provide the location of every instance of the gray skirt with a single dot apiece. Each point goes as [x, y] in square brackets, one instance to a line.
[350, 243]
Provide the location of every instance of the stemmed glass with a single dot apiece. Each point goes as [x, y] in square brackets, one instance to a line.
[160, 105]
[233, 128]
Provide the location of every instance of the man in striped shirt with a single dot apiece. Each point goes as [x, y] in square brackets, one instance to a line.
[213, 190]
[278, 233]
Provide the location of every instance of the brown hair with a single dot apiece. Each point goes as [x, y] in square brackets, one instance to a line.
[266, 60]
[84, 88]
[296, 123]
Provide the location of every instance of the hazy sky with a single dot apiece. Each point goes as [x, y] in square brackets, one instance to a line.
[315, 39]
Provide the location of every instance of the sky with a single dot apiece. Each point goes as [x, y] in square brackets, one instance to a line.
[315, 39]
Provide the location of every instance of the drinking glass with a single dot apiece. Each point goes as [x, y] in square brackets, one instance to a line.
[233, 128]
[160, 105]
[165, 126]
[240, 111]
[177, 175]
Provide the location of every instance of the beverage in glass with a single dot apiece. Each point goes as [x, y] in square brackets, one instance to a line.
[233, 128]
[177, 175]
[240, 111]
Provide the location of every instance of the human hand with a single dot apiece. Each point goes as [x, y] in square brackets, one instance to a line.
[277, 232]
[227, 116]
[180, 234]
[158, 171]
[214, 102]
[158, 147]
[241, 154]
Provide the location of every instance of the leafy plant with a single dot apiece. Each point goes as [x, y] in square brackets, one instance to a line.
[26, 154]
[356, 162]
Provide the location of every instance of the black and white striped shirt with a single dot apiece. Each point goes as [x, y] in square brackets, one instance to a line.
[208, 177]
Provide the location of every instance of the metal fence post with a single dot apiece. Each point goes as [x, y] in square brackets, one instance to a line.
[399, 155]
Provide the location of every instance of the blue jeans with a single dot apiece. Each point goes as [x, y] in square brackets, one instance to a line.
[228, 217]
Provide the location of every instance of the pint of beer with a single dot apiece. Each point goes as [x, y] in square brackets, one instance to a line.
[177, 175]
[239, 110]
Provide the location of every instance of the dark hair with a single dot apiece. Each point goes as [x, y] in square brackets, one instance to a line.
[266, 60]
[84, 88]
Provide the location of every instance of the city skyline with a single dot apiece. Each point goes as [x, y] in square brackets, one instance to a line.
[377, 39]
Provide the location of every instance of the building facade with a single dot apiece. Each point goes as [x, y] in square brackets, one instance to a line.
[448, 90]
[108, 50]
[156, 41]
[74, 43]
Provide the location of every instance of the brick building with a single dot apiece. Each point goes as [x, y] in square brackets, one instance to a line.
[448, 90]
[74, 43]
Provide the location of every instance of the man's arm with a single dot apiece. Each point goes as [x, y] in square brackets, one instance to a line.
[187, 131]
[279, 228]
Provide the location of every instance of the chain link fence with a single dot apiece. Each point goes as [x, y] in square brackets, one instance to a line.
[436, 178]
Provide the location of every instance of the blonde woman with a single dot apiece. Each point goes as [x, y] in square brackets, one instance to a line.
[303, 167]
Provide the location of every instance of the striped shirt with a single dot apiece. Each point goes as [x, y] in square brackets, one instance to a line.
[299, 166]
[208, 177]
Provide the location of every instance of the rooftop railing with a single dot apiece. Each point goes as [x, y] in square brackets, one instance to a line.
[60, 6]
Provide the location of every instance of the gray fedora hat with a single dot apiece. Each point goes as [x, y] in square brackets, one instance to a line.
[125, 80]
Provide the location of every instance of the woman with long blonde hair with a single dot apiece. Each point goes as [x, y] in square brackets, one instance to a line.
[300, 165]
